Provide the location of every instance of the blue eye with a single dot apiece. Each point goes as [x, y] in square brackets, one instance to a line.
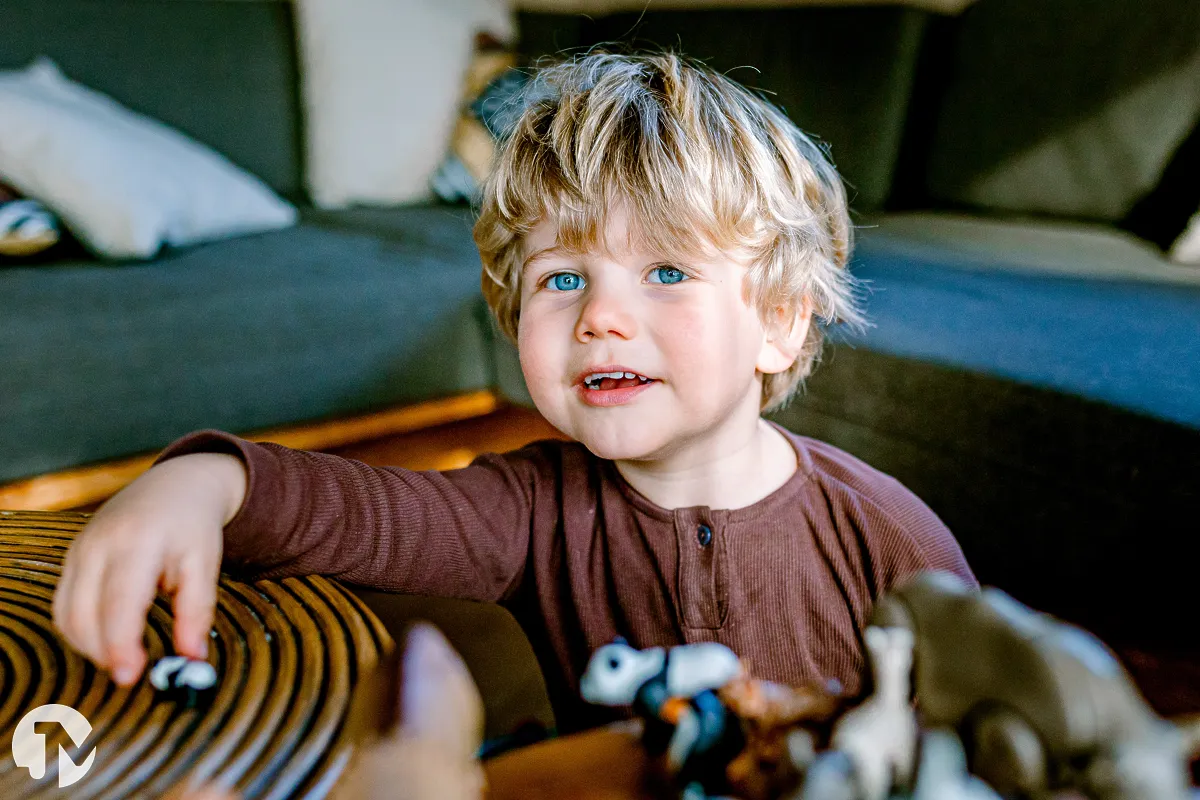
[565, 281]
[668, 275]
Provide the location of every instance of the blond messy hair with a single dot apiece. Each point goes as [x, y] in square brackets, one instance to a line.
[699, 160]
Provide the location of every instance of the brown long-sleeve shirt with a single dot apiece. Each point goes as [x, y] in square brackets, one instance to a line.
[579, 556]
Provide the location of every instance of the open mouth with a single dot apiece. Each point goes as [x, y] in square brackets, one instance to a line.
[604, 381]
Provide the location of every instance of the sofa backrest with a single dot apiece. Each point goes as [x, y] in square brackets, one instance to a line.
[223, 72]
[1071, 108]
[842, 74]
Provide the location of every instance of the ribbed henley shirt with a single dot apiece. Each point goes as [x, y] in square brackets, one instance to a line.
[579, 557]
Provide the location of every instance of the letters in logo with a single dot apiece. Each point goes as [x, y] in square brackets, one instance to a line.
[29, 746]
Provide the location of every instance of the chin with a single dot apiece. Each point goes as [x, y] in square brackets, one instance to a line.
[621, 447]
[610, 452]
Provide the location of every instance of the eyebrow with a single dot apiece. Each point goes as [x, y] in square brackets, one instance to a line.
[544, 253]
[547, 252]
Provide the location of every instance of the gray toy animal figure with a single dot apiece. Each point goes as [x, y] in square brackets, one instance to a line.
[1041, 705]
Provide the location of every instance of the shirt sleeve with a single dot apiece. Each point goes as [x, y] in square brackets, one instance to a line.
[896, 535]
[928, 545]
[911, 538]
[461, 533]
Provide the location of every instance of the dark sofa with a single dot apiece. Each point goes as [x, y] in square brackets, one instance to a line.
[1033, 366]
[346, 313]
[1037, 383]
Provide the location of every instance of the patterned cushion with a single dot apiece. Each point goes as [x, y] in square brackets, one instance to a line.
[488, 110]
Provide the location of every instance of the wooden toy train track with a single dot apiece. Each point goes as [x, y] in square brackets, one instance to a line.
[295, 661]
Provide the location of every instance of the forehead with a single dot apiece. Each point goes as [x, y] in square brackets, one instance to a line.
[616, 234]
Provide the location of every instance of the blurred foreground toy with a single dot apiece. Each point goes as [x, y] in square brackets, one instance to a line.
[418, 723]
[674, 692]
[784, 728]
[873, 745]
[719, 729]
[1040, 705]
[942, 774]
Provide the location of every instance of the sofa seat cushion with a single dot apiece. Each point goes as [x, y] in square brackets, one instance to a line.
[101, 361]
[1078, 309]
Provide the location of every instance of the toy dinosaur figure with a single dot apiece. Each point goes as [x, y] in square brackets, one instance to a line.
[1040, 704]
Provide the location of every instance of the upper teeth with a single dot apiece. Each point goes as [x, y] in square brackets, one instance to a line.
[596, 376]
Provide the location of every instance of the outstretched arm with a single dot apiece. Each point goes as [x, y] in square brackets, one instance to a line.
[461, 533]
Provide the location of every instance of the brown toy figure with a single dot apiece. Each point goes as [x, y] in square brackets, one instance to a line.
[776, 721]
[1041, 705]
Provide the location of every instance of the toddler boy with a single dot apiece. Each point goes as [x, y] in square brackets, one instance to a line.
[657, 240]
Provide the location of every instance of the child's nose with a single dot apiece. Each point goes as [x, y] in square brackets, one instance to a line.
[605, 313]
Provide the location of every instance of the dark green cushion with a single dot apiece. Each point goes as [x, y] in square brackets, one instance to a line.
[1070, 108]
[843, 74]
[101, 360]
[1076, 507]
[491, 643]
[221, 72]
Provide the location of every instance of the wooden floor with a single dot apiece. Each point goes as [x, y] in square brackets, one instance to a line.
[455, 444]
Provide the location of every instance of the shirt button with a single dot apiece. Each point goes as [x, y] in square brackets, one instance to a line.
[704, 535]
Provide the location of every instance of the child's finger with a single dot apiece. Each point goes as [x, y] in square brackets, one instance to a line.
[77, 605]
[195, 606]
[127, 590]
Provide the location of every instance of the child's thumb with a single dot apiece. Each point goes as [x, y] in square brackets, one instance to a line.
[195, 608]
[439, 699]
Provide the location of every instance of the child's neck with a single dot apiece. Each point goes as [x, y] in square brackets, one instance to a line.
[738, 470]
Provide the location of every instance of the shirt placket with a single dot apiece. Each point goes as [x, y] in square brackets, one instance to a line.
[700, 536]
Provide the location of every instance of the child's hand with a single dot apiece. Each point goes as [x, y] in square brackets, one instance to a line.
[163, 531]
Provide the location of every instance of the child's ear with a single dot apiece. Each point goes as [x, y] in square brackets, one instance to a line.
[784, 335]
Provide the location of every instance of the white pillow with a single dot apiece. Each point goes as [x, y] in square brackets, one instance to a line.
[123, 183]
[1186, 249]
[381, 82]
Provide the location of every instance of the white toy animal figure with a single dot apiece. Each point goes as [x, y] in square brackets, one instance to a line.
[174, 672]
[617, 671]
[943, 775]
[880, 736]
[675, 694]
[187, 681]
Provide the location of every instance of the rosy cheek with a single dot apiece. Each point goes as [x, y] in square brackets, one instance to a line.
[535, 350]
[683, 328]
